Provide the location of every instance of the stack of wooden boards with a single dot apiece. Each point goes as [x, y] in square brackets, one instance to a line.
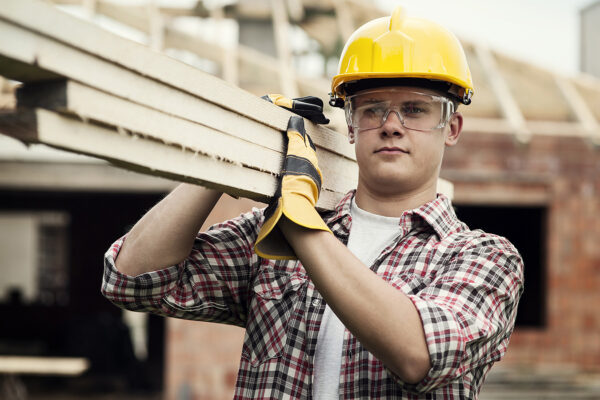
[88, 91]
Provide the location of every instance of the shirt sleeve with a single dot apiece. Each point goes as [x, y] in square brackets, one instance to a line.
[468, 311]
[211, 284]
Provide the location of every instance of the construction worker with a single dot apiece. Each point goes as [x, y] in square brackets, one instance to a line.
[387, 296]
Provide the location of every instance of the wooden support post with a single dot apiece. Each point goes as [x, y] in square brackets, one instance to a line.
[90, 7]
[229, 54]
[344, 18]
[287, 78]
[157, 26]
[296, 9]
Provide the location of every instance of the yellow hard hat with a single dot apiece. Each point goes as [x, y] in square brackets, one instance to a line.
[395, 47]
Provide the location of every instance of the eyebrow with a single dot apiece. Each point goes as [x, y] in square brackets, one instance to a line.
[370, 101]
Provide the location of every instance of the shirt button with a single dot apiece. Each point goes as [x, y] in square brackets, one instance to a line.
[316, 302]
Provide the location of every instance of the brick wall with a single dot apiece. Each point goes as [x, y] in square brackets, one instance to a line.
[562, 174]
[202, 360]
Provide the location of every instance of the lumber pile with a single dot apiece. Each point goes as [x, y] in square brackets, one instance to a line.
[88, 91]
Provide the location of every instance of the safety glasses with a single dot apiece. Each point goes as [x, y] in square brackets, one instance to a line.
[417, 111]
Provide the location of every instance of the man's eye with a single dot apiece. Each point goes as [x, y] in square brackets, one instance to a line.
[373, 110]
[413, 109]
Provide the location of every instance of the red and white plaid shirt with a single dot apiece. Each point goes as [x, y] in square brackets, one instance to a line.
[465, 284]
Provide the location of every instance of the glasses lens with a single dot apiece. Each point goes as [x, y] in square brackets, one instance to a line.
[417, 111]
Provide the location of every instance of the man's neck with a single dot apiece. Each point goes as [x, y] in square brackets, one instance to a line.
[391, 204]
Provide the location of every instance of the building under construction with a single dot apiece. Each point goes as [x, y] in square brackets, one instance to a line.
[526, 168]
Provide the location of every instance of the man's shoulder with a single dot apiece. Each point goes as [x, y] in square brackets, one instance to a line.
[475, 240]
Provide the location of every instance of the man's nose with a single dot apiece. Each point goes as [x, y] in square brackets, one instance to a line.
[392, 123]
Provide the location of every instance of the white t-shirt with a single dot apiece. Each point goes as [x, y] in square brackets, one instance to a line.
[369, 236]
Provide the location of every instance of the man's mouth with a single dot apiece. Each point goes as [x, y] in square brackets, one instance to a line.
[391, 150]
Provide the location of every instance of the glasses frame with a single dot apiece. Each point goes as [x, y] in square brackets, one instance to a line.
[448, 110]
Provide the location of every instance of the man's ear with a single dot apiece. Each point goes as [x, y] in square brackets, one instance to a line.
[351, 137]
[454, 129]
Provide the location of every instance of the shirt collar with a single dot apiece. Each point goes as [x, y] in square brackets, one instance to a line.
[437, 214]
[440, 215]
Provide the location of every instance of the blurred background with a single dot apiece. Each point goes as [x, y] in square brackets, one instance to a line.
[527, 168]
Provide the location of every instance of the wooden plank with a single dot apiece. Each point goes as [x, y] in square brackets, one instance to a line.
[49, 55]
[182, 94]
[91, 104]
[69, 366]
[538, 128]
[59, 176]
[142, 155]
[44, 19]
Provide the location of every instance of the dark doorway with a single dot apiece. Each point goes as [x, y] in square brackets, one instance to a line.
[525, 227]
[71, 317]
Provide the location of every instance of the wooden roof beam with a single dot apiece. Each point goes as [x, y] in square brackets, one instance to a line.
[508, 105]
[227, 58]
[580, 109]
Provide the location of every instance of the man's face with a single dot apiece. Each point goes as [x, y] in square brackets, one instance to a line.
[401, 156]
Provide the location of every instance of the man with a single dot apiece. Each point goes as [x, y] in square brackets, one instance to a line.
[391, 296]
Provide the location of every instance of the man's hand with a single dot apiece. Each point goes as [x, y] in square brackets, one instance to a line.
[296, 195]
[309, 107]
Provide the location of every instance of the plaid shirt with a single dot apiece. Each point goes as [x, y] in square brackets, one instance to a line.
[465, 284]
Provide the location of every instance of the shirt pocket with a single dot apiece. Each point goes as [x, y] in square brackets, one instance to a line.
[276, 295]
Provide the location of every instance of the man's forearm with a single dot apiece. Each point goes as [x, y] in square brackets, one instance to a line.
[382, 318]
[164, 236]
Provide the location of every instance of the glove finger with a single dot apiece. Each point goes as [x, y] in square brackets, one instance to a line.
[310, 112]
[279, 100]
[316, 117]
[301, 105]
[311, 99]
[296, 126]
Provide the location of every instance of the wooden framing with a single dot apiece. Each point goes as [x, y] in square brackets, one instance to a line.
[345, 21]
[68, 366]
[508, 105]
[287, 79]
[582, 112]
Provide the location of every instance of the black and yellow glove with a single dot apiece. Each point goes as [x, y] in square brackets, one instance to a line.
[296, 195]
[309, 107]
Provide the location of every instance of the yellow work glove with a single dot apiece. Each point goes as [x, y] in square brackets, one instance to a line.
[309, 107]
[296, 195]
